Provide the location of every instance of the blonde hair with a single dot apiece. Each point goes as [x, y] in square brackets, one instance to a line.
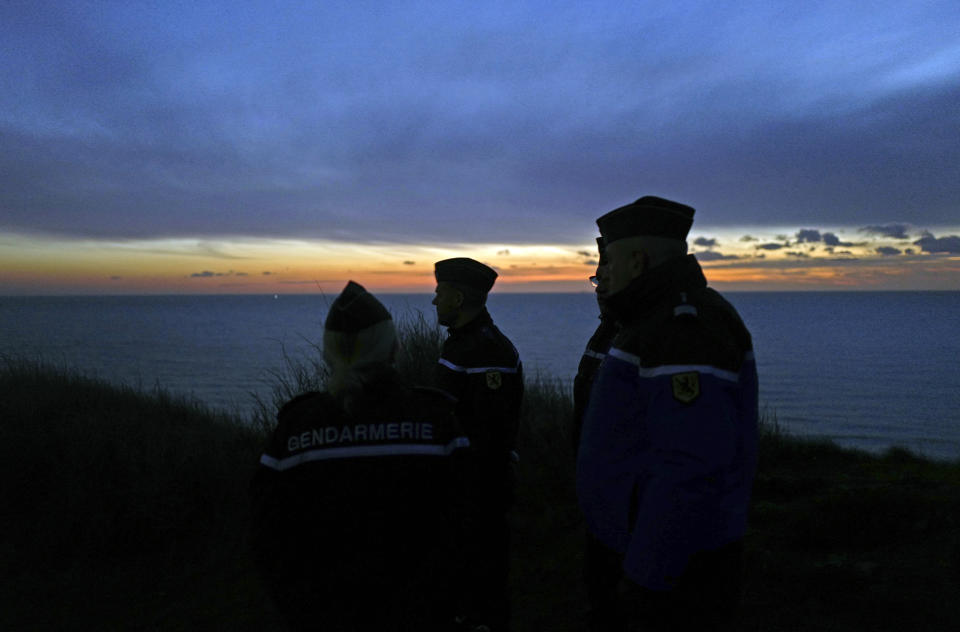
[357, 357]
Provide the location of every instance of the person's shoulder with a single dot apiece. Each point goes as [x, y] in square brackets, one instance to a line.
[477, 349]
[697, 327]
[703, 329]
[306, 404]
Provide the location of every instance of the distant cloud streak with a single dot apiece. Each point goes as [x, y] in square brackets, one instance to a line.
[711, 255]
[894, 231]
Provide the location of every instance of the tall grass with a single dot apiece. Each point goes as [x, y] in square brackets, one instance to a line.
[94, 477]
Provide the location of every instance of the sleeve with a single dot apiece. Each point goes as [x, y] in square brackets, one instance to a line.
[267, 505]
[677, 512]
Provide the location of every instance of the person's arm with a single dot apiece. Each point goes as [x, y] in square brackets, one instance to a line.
[677, 511]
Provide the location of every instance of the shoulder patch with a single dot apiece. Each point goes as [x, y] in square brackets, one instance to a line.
[494, 379]
[686, 386]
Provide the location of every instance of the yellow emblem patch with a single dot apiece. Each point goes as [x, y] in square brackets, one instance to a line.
[494, 380]
[686, 387]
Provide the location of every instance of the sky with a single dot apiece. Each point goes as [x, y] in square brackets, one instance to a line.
[223, 147]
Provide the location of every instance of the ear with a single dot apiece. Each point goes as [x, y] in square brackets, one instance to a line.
[458, 300]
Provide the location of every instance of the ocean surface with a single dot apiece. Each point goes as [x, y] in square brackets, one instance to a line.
[869, 370]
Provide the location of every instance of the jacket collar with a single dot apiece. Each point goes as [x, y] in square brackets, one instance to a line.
[480, 320]
[654, 286]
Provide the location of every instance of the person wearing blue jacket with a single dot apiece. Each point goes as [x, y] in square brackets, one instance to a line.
[668, 449]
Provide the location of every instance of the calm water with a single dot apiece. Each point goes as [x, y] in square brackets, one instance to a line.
[866, 369]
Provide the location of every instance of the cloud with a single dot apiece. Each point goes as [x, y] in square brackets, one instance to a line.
[706, 243]
[832, 240]
[799, 255]
[591, 262]
[409, 263]
[585, 253]
[116, 278]
[888, 251]
[155, 123]
[931, 244]
[749, 238]
[894, 231]
[506, 252]
[208, 273]
[808, 235]
[812, 235]
[770, 246]
[711, 255]
[266, 273]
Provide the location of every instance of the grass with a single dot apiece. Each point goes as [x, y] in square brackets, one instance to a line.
[125, 509]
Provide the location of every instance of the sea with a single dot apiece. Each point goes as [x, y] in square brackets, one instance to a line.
[868, 370]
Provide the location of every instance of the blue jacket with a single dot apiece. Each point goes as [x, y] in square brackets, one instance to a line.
[669, 444]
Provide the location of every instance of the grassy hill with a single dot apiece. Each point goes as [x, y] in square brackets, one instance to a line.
[128, 510]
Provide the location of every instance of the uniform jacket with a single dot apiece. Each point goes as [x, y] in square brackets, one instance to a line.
[668, 451]
[590, 361]
[480, 368]
[362, 504]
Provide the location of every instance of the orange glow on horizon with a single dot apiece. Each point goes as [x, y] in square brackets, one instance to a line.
[48, 266]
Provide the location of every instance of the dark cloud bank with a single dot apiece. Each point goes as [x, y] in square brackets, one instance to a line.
[496, 135]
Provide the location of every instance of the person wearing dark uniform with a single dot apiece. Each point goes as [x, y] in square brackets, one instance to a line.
[596, 349]
[481, 370]
[356, 518]
[601, 570]
[669, 445]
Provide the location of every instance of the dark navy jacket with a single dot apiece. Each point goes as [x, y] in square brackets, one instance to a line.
[361, 507]
[480, 368]
[668, 450]
[590, 361]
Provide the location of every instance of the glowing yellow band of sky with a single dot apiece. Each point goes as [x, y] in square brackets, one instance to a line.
[39, 265]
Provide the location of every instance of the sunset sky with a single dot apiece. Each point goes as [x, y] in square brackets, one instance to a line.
[211, 147]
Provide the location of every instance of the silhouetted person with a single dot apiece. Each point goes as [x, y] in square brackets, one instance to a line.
[597, 346]
[355, 524]
[601, 570]
[481, 370]
[668, 451]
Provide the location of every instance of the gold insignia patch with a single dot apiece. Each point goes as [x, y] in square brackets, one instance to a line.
[686, 387]
[494, 380]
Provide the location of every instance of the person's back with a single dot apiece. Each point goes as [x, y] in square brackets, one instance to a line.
[355, 509]
[355, 516]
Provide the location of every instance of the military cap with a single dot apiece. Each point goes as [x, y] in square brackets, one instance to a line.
[355, 309]
[465, 271]
[649, 216]
[602, 250]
